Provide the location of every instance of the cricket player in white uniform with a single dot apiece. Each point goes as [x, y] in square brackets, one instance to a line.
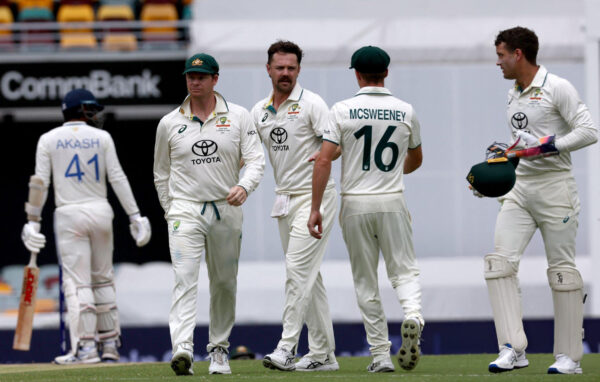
[546, 113]
[379, 136]
[198, 153]
[290, 122]
[79, 158]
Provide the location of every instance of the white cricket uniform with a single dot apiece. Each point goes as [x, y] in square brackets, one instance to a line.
[375, 130]
[80, 158]
[545, 193]
[195, 166]
[291, 135]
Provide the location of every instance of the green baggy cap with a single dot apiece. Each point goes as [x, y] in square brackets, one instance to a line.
[370, 59]
[202, 63]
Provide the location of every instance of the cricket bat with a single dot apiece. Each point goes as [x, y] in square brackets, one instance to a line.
[31, 274]
[27, 305]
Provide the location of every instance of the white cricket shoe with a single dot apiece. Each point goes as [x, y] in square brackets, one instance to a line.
[84, 355]
[219, 362]
[564, 365]
[182, 360]
[508, 359]
[307, 363]
[381, 364]
[109, 351]
[281, 359]
[410, 351]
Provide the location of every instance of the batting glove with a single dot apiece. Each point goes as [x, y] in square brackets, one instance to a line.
[32, 238]
[140, 229]
[545, 149]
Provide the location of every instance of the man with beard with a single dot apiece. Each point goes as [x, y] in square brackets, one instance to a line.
[290, 122]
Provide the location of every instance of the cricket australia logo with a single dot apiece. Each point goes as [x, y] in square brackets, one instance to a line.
[205, 149]
[223, 125]
[279, 136]
[293, 111]
[519, 121]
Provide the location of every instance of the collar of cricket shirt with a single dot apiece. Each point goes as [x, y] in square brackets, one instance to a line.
[294, 96]
[220, 107]
[538, 80]
[379, 90]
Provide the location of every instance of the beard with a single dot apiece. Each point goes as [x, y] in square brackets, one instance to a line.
[285, 84]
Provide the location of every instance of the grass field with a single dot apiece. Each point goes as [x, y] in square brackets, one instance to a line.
[470, 367]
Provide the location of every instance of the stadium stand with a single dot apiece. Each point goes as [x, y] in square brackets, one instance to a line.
[118, 38]
[38, 39]
[30, 26]
[159, 37]
[73, 34]
[6, 36]
[24, 4]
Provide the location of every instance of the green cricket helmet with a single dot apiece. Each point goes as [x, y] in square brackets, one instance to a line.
[496, 176]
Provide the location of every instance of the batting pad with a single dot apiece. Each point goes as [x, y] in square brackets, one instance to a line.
[72, 302]
[106, 308]
[87, 313]
[567, 295]
[505, 298]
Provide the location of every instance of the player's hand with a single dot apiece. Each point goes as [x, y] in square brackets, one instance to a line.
[545, 149]
[315, 224]
[237, 196]
[314, 157]
[32, 238]
[140, 229]
[529, 139]
[475, 192]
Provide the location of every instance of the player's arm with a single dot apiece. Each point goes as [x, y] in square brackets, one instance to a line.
[319, 120]
[254, 160]
[162, 165]
[414, 159]
[321, 173]
[139, 226]
[32, 238]
[577, 115]
[315, 155]
[414, 156]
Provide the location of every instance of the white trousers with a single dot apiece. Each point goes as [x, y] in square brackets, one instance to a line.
[84, 241]
[215, 229]
[548, 202]
[305, 295]
[370, 224]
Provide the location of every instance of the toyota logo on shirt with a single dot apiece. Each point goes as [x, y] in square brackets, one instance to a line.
[279, 135]
[205, 148]
[519, 121]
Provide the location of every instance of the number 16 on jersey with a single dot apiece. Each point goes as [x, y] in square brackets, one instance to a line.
[384, 143]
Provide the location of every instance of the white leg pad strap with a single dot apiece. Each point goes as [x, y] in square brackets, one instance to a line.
[505, 298]
[567, 295]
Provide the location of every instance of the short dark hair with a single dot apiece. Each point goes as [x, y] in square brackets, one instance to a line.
[520, 38]
[373, 78]
[281, 46]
